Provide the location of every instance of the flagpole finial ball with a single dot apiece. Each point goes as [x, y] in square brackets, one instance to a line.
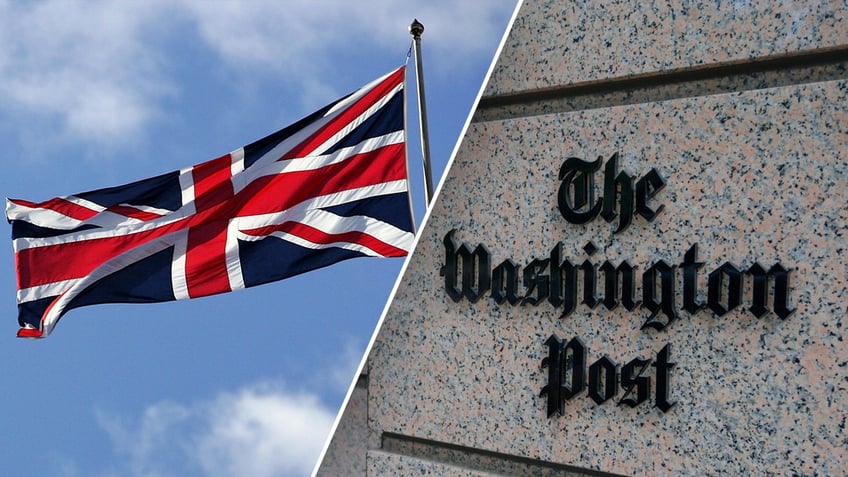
[416, 28]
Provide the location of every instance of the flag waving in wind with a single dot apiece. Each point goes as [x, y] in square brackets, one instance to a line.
[330, 187]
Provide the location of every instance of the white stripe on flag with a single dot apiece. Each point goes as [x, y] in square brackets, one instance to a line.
[40, 217]
[178, 275]
[331, 141]
[324, 201]
[232, 256]
[313, 163]
[187, 191]
[280, 149]
[40, 291]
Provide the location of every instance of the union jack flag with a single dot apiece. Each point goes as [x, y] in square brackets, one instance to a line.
[330, 187]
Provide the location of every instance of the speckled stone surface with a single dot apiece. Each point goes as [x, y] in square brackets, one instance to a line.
[347, 449]
[757, 175]
[382, 463]
[554, 43]
[760, 176]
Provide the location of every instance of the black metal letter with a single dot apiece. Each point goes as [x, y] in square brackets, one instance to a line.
[628, 285]
[578, 183]
[631, 377]
[556, 400]
[476, 270]
[646, 188]
[563, 282]
[781, 291]
[614, 185]
[450, 268]
[590, 298]
[566, 378]
[663, 378]
[536, 280]
[715, 288]
[649, 294]
[607, 367]
[759, 298]
[505, 283]
[690, 268]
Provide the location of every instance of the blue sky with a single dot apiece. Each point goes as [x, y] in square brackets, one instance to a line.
[96, 93]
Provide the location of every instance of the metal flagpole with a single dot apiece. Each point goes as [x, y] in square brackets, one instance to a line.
[416, 29]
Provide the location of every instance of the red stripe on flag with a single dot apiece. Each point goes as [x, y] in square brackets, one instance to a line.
[29, 333]
[61, 206]
[317, 236]
[206, 262]
[282, 191]
[212, 184]
[53, 263]
[306, 147]
[132, 212]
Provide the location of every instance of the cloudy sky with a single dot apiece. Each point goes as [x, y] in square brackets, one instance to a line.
[100, 93]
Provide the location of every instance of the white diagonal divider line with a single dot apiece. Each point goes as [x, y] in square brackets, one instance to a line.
[315, 162]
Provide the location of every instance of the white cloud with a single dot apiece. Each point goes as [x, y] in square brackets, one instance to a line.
[297, 34]
[263, 434]
[98, 67]
[85, 62]
[342, 374]
[145, 448]
[260, 431]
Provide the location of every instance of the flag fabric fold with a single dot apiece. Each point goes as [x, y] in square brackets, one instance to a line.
[330, 187]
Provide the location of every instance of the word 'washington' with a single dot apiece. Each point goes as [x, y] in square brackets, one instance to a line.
[469, 274]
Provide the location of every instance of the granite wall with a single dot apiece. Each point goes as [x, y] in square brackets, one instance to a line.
[727, 126]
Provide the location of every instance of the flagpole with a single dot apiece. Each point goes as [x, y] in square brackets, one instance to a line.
[416, 29]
